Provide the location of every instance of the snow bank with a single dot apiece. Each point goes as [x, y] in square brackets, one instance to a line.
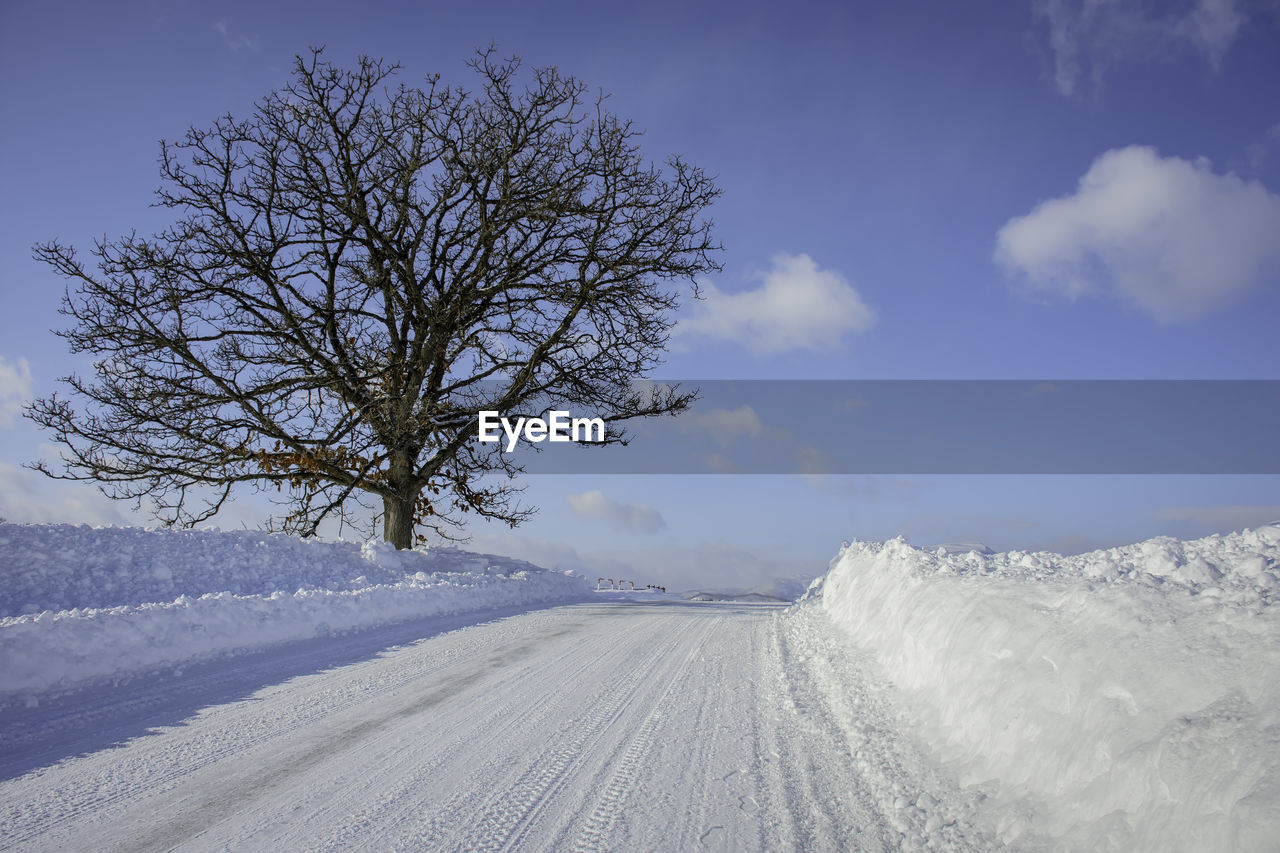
[82, 604]
[1127, 699]
[62, 566]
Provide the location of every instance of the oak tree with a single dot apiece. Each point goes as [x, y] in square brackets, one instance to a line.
[357, 268]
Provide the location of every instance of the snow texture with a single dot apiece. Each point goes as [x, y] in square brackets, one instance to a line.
[616, 724]
[1126, 699]
[81, 604]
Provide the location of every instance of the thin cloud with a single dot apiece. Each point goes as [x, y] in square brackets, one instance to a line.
[1087, 38]
[718, 463]
[724, 425]
[15, 389]
[797, 306]
[1164, 234]
[706, 566]
[1261, 150]
[548, 553]
[1223, 518]
[28, 498]
[638, 518]
[237, 41]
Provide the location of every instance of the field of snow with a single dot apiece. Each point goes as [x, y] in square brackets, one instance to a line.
[84, 605]
[924, 699]
[1126, 699]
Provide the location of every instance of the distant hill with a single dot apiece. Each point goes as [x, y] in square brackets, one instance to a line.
[777, 590]
[962, 548]
[746, 597]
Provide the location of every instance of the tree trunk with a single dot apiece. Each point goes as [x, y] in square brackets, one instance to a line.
[398, 521]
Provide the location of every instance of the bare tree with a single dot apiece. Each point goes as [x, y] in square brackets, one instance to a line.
[357, 269]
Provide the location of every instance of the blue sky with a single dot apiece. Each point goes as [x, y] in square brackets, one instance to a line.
[931, 190]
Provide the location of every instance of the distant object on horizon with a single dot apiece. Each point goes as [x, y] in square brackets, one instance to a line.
[774, 591]
[741, 597]
[962, 548]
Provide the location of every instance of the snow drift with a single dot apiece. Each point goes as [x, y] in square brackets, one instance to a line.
[1126, 699]
[82, 604]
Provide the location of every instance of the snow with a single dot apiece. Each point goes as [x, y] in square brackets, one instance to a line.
[1125, 699]
[946, 698]
[81, 605]
[615, 724]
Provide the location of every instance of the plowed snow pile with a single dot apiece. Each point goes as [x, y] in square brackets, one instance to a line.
[1126, 699]
[82, 604]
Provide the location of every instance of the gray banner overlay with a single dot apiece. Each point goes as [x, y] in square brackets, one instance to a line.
[943, 427]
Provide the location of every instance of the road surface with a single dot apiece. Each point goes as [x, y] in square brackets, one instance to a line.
[601, 726]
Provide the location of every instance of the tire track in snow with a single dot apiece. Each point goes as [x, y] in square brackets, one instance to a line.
[506, 817]
[780, 832]
[833, 806]
[721, 783]
[623, 781]
[900, 800]
[455, 744]
[351, 752]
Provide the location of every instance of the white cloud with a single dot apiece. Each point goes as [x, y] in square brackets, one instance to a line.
[1211, 27]
[636, 517]
[1162, 233]
[1088, 37]
[15, 389]
[798, 306]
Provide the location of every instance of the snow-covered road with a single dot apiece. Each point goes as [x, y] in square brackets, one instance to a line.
[606, 725]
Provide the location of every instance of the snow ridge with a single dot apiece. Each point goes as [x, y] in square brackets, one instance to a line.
[63, 566]
[1127, 699]
[82, 605]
